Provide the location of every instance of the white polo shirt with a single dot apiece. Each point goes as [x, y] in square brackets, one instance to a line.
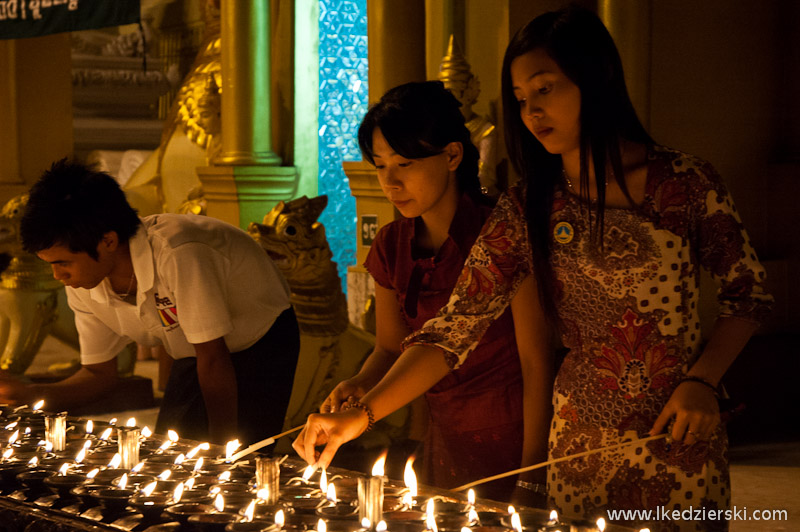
[198, 279]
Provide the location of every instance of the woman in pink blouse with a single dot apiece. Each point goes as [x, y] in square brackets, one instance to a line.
[489, 415]
[614, 229]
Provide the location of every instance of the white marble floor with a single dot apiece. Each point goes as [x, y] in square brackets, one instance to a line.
[763, 476]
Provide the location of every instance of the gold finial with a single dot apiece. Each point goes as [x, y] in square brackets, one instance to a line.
[454, 66]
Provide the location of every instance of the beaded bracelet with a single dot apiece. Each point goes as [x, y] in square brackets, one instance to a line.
[693, 378]
[358, 404]
[539, 489]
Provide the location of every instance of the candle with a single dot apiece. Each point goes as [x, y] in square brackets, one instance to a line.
[410, 479]
[128, 443]
[268, 474]
[56, 430]
[370, 494]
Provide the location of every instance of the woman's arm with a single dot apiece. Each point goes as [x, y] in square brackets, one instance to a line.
[536, 359]
[391, 329]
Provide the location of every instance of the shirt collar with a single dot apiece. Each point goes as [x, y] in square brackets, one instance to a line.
[142, 259]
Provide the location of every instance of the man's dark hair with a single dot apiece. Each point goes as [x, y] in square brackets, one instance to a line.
[74, 205]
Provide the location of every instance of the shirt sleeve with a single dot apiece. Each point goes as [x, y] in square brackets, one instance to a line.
[497, 264]
[725, 251]
[98, 343]
[197, 274]
[377, 263]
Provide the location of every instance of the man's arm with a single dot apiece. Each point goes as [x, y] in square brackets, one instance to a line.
[89, 383]
[218, 384]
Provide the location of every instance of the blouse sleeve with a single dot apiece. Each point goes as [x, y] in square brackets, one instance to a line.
[377, 263]
[497, 264]
[724, 249]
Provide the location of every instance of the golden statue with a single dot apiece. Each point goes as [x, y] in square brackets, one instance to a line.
[331, 348]
[457, 76]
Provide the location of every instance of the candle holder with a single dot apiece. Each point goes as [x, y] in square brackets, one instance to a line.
[268, 475]
[55, 430]
[128, 445]
[370, 499]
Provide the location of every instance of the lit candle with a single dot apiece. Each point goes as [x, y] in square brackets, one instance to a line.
[178, 492]
[38, 405]
[89, 428]
[601, 524]
[198, 466]
[250, 511]
[430, 517]
[219, 503]
[115, 461]
[230, 448]
[165, 474]
[280, 519]
[123, 482]
[410, 479]
[56, 430]
[128, 444]
[146, 433]
[370, 493]
[149, 489]
[268, 474]
[330, 493]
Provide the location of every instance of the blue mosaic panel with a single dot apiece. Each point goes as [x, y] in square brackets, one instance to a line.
[343, 99]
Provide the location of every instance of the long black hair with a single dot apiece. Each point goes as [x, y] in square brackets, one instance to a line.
[576, 39]
[419, 120]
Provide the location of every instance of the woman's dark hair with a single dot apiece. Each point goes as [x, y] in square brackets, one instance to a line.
[74, 205]
[419, 120]
[580, 44]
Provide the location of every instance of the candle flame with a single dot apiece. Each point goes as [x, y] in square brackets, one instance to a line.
[106, 434]
[262, 494]
[178, 492]
[219, 503]
[131, 422]
[123, 481]
[516, 522]
[93, 473]
[215, 490]
[146, 432]
[408, 500]
[430, 518]
[33, 462]
[251, 510]
[115, 461]
[473, 517]
[89, 426]
[165, 474]
[179, 459]
[308, 472]
[198, 466]
[138, 467]
[378, 468]
[112, 421]
[48, 446]
[191, 454]
[225, 476]
[87, 444]
[644, 530]
[189, 483]
[321, 526]
[280, 518]
[365, 523]
[601, 524]
[13, 437]
[38, 404]
[323, 481]
[11, 425]
[381, 526]
[81, 455]
[410, 478]
[7, 453]
[553, 517]
[230, 448]
[173, 436]
[149, 489]
[330, 494]
[466, 529]
[471, 497]
[27, 430]
[511, 510]
[63, 469]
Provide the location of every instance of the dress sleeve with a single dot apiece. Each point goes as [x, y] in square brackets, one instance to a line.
[377, 263]
[497, 264]
[724, 249]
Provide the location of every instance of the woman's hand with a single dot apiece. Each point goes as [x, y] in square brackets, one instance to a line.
[696, 411]
[354, 387]
[330, 430]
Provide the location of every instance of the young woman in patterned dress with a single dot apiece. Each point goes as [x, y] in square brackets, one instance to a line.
[615, 229]
[428, 168]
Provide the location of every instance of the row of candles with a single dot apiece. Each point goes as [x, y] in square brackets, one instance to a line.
[267, 502]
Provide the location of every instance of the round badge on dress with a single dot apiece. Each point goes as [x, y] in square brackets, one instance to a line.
[563, 233]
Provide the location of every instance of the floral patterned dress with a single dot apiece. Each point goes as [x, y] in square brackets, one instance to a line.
[629, 316]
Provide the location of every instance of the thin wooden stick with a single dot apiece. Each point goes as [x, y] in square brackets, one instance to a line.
[264, 443]
[557, 460]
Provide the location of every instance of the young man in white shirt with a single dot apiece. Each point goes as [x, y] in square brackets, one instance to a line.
[198, 286]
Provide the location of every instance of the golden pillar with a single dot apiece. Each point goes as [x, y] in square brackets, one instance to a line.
[629, 22]
[246, 180]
